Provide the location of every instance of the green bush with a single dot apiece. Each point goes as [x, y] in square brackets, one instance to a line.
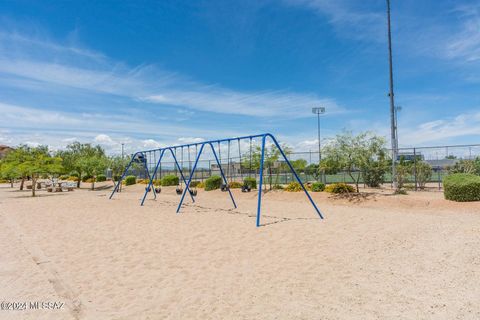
[63, 177]
[201, 185]
[116, 177]
[251, 182]
[318, 187]
[462, 187]
[235, 185]
[86, 177]
[293, 187]
[194, 184]
[373, 174]
[101, 178]
[339, 188]
[212, 183]
[129, 180]
[277, 187]
[424, 173]
[170, 180]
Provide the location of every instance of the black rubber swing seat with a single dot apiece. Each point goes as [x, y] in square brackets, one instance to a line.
[193, 192]
[246, 188]
[224, 187]
[179, 191]
[158, 190]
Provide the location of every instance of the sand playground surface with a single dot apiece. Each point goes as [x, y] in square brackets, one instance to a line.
[378, 256]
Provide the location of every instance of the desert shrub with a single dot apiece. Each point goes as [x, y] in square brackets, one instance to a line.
[403, 170]
[212, 183]
[72, 178]
[235, 185]
[409, 186]
[4, 181]
[73, 174]
[86, 177]
[277, 187]
[293, 187]
[201, 185]
[424, 173]
[63, 177]
[170, 180]
[194, 184]
[318, 187]
[373, 173]
[462, 187]
[101, 178]
[251, 182]
[129, 180]
[157, 182]
[466, 166]
[90, 180]
[339, 188]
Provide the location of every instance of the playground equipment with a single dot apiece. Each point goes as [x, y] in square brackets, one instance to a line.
[142, 156]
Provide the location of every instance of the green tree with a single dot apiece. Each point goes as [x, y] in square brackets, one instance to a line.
[92, 165]
[9, 172]
[75, 158]
[313, 170]
[424, 173]
[271, 160]
[37, 162]
[363, 153]
[15, 157]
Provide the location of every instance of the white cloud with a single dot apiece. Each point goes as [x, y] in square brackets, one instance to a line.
[146, 83]
[104, 139]
[431, 132]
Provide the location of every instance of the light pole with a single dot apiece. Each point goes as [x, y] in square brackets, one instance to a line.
[318, 111]
[392, 102]
[397, 109]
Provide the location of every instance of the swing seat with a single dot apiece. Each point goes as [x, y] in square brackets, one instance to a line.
[224, 187]
[246, 188]
[148, 189]
[179, 191]
[158, 190]
[193, 192]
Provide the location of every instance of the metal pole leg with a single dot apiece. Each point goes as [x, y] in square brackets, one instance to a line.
[259, 206]
[223, 176]
[123, 175]
[153, 176]
[181, 173]
[190, 178]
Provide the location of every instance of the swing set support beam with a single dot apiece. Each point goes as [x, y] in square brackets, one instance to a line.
[202, 145]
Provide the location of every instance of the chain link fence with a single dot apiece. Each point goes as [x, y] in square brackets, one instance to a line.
[440, 158]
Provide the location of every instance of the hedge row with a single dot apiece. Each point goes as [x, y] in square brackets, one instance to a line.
[462, 187]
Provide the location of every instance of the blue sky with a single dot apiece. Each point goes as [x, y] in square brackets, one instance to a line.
[164, 72]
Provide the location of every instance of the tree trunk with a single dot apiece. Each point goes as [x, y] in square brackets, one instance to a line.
[79, 180]
[11, 183]
[34, 181]
[93, 184]
[354, 180]
[21, 183]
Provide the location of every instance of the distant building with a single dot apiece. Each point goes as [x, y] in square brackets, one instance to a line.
[4, 150]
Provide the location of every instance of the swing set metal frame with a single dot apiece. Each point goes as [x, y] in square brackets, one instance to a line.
[172, 150]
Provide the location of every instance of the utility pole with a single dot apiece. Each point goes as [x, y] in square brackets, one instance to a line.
[318, 112]
[392, 103]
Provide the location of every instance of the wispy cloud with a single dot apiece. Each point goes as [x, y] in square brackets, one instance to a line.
[441, 130]
[145, 83]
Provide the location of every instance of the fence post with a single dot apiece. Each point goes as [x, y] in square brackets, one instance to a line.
[415, 166]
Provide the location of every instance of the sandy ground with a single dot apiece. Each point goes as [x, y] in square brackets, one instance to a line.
[373, 257]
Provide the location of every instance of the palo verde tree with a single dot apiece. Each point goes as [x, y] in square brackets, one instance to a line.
[271, 160]
[8, 171]
[92, 165]
[37, 162]
[363, 154]
[11, 161]
[78, 157]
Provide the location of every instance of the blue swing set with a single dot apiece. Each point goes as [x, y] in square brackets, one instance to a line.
[140, 157]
